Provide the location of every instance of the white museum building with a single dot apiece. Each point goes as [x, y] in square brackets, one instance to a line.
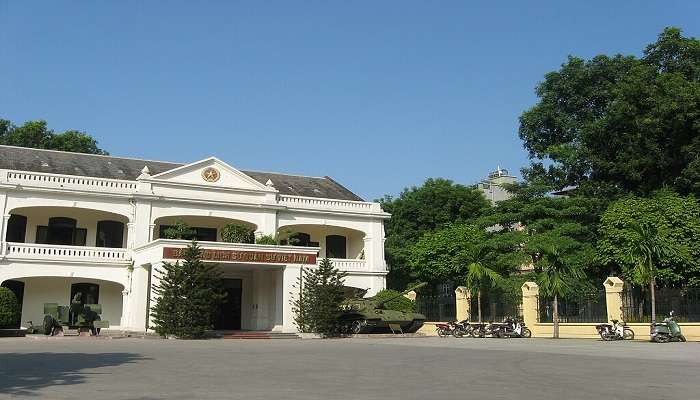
[95, 224]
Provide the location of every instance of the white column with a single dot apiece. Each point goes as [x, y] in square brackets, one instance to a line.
[3, 223]
[124, 322]
[374, 247]
[289, 291]
[136, 310]
[3, 228]
[268, 224]
[130, 232]
[142, 227]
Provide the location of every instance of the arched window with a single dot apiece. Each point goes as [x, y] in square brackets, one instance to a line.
[110, 234]
[336, 246]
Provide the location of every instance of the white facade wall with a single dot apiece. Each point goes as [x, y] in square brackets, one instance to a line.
[143, 205]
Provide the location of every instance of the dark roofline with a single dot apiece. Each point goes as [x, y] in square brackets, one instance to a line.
[128, 168]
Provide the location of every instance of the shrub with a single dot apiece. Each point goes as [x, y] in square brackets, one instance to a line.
[237, 233]
[9, 308]
[266, 239]
[188, 296]
[402, 303]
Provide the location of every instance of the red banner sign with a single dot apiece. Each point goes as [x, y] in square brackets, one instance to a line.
[244, 256]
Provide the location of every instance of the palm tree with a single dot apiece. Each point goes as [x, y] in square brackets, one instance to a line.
[479, 275]
[556, 280]
[647, 246]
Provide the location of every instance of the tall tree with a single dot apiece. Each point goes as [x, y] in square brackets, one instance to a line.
[479, 275]
[648, 246]
[188, 296]
[676, 221]
[35, 134]
[418, 210]
[557, 277]
[618, 124]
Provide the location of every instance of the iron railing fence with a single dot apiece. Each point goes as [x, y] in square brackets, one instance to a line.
[684, 302]
[587, 308]
[495, 307]
[437, 307]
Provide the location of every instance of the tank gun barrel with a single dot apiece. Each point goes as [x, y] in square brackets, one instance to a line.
[414, 287]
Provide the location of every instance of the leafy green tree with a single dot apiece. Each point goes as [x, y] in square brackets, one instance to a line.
[237, 233]
[675, 219]
[188, 296]
[619, 124]
[401, 303]
[557, 277]
[320, 298]
[9, 308]
[35, 134]
[533, 221]
[444, 255]
[180, 230]
[418, 210]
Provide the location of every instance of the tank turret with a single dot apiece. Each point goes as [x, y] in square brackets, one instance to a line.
[369, 314]
[405, 292]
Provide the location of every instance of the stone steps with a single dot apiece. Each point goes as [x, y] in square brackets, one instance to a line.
[256, 335]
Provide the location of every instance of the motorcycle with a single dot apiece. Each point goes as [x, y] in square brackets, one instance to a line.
[512, 327]
[444, 329]
[478, 330]
[667, 331]
[617, 331]
[461, 329]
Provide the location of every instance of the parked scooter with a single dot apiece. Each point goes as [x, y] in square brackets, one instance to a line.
[461, 329]
[667, 331]
[617, 331]
[444, 329]
[478, 330]
[512, 327]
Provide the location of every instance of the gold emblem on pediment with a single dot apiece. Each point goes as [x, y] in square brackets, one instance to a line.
[211, 174]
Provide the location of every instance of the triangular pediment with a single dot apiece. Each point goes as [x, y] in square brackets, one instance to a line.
[211, 172]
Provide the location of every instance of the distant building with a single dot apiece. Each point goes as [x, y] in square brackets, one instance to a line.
[492, 187]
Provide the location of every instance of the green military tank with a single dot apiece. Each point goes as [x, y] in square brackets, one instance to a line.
[367, 315]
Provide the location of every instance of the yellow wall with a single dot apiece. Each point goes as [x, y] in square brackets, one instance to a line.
[587, 331]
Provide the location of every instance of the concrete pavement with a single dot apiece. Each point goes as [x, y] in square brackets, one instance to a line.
[425, 368]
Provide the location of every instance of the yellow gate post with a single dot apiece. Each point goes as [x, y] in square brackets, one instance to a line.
[613, 297]
[462, 303]
[531, 293]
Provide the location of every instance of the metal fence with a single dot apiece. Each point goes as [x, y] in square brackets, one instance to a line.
[587, 308]
[437, 308]
[685, 304]
[495, 306]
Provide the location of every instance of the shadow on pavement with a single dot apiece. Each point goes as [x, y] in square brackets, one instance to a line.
[27, 373]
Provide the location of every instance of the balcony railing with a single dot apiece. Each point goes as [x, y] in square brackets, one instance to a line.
[47, 252]
[346, 264]
[70, 182]
[326, 204]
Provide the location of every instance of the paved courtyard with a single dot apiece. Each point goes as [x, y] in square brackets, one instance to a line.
[417, 368]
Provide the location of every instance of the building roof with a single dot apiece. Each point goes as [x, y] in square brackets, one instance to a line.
[98, 166]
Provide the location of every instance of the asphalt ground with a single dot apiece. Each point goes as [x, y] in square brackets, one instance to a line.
[401, 368]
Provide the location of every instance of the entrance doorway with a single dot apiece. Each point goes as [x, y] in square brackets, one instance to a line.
[229, 317]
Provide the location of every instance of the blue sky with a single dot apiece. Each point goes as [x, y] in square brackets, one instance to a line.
[379, 95]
